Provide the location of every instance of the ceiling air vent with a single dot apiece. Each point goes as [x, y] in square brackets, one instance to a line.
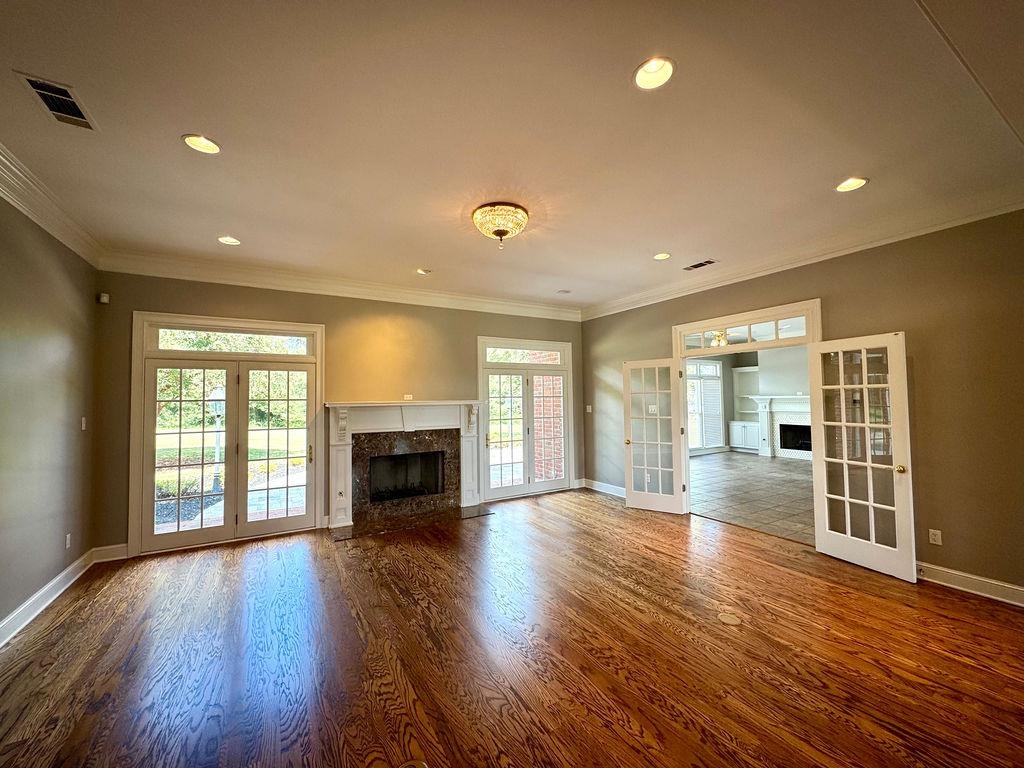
[59, 102]
[698, 265]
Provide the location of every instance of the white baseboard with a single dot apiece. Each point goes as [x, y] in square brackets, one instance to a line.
[24, 613]
[968, 582]
[612, 490]
[113, 552]
[579, 482]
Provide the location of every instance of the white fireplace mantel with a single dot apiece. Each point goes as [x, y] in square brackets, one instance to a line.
[347, 419]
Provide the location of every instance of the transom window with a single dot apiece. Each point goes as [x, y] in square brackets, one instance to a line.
[204, 340]
[781, 326]
[523, 356]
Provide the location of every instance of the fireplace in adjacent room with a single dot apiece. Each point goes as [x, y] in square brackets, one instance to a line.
[795, 437]
[405, 475]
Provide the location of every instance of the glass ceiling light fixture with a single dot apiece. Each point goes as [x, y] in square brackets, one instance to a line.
[719, 339]
[500, 221]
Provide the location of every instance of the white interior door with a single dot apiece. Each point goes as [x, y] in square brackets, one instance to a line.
[650, 390]
[863, 501]
[276, 443]
[189, 453]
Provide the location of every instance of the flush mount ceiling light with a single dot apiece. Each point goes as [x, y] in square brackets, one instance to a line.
[662, 256]
[229, 240]
[852, 183]
[201, 143]
[653, 73]
[719, 339]
[423, 271]
[500, 220]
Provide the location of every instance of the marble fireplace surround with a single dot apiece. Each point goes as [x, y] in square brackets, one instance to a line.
[361, 430]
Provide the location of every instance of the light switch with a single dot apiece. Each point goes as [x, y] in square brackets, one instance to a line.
[590, 409]
[83, 423]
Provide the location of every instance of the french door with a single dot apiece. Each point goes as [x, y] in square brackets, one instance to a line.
[526, 432]
[653, 465]
[275, 474]
[226, 452]
[863, 500]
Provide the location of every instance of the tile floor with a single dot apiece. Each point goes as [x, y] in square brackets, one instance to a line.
[768, 494]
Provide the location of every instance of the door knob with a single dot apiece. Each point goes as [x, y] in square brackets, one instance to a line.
[899, 469]
[629, 442]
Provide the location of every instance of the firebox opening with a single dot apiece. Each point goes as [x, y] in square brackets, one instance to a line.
[407, 474]
[795, 437]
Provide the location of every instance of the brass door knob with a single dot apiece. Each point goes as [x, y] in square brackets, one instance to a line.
[899, 469]
[629, 442]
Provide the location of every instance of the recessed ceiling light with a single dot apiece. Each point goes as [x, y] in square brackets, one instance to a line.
[852, 183]
[423, 271]
[563, 291]
[653, 73]
[201, 143]
[229, 240]
[662, 256]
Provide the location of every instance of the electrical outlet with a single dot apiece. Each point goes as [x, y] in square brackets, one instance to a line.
[935, 537]
[590, 409]
[67, 541]
[407, 397]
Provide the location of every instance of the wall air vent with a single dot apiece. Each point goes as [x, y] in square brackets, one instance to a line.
[698, 265]
[58, 101]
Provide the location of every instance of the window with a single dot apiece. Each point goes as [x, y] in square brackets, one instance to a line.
[705, 409]
[523, 356]
[201, 340]
[782, 326]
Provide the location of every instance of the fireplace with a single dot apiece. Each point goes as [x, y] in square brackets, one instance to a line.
[405, 479]
[405, 475]
[795, 437]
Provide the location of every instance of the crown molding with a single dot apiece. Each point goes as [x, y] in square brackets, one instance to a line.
[678, 289]
[22, 189]
[206, 271]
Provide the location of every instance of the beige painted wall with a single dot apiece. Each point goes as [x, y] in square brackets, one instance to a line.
[46, 345]
[375, 351]
[783, 371]
[959, 295]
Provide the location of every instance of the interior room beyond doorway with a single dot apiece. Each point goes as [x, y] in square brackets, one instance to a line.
[749, 439]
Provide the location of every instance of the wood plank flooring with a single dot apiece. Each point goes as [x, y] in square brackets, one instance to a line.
[562, 630]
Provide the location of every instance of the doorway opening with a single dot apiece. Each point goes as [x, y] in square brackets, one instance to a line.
[749, 440]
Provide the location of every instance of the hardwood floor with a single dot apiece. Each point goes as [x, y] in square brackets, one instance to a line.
[560, 631]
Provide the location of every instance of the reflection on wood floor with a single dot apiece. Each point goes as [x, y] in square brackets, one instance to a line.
[562, 630]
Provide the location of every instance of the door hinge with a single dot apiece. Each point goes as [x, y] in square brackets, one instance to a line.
[238, 378]
[682, 430]
[236, 449]
[527, 430]
[684, 487]
[680, 372]
[236, 519]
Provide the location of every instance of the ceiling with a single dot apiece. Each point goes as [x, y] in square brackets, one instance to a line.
[357, 137]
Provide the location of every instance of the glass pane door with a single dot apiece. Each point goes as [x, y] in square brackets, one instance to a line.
[547, 429]
[276, 443]
[653, 474]
[506, 431]
[189, 453]
[863, 503]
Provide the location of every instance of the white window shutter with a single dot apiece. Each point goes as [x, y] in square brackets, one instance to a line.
[712, 411]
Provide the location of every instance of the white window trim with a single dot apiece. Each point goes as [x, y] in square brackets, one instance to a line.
[810, 309]
[701, 377]
[565, 367]
[145, 326]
